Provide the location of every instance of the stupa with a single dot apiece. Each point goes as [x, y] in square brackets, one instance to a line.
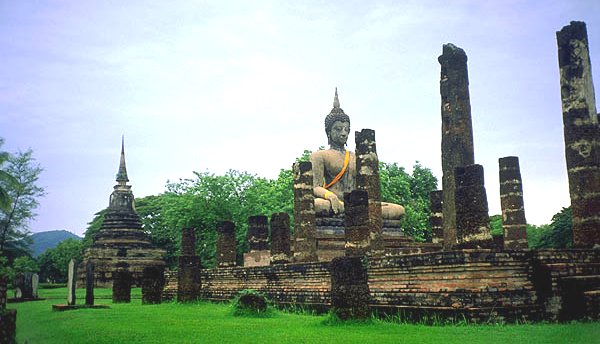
[121, 241]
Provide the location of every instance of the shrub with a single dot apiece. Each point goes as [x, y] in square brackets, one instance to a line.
[251, 303]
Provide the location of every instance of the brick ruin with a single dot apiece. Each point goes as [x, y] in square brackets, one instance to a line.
[582, 133]
[339, 262]
[511, 202]
[121, 238]
[8, 317]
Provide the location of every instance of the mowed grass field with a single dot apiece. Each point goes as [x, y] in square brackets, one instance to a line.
[213, 323]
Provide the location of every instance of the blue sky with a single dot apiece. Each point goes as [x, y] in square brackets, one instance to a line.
[218, 85]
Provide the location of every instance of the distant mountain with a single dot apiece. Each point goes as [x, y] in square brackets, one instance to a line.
[45, 240]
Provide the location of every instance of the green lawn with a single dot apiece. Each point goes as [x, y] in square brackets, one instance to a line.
[212, 323]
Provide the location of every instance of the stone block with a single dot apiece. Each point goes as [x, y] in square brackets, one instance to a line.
[350, 296]
[153, 282]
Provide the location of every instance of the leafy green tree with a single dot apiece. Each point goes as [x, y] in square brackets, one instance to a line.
[93, 228]
[54, 261]
[536, 236]
[25, 264]
[24, 195]
[412, 191]
[6, 180]
[559, 234]
[496, 225]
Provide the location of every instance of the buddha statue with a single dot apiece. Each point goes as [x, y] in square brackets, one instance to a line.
[334, 169]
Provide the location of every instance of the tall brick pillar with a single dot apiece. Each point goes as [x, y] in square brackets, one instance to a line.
[305, 244]
[582, 133]
[258, 242]
[367, 179]
[226, 244]
[153, 282]
[457, 131]
[280, 238]
[121, 289]
[188, 277]
[436, 219]
[472, 216]
[511, 201]
[8, 317]
[356, 221]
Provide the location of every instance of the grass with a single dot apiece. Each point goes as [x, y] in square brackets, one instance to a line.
[213, 323]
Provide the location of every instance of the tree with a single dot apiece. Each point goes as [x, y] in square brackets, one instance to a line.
[14, 221]
[54, 261]
[412, 191]
[6, 180]
[25, 264]
[559, 234]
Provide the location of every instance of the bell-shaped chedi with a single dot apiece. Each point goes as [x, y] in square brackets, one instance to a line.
[121, 238]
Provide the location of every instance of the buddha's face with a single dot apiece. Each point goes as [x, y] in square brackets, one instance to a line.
[339, 132]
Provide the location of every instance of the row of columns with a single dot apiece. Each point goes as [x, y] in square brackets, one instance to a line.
[459, 217]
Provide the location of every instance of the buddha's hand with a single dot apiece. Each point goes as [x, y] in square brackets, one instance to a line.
[336, 205]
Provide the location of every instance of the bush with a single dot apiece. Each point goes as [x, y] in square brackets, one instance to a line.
[252, 304]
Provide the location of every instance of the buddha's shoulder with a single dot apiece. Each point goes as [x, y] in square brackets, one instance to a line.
[326, 154]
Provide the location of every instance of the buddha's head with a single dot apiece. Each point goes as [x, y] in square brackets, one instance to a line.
[337, 124]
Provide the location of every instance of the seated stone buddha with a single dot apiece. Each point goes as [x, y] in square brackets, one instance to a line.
[334, 169]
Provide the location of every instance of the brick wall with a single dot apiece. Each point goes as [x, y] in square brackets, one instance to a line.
[477, 284]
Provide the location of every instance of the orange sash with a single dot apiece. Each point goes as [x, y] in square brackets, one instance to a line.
[341, 174]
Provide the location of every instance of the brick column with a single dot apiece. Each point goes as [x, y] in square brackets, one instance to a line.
[356, 221]
[188, 277]
[226, 244]
[121, 289]
[511, 201]
[349, 288]
[89, 283]
[457, 131]
[367, 179]
[472, 217]
[8, 317]
[188, 242]
[153, 281]
[305, 244]
[258, 242]
[436, 218]
[280, 238]
[582, 133]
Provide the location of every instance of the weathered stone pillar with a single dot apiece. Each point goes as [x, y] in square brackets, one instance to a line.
[472, 217]
[188, 277]
[280, 238]
[511, 202]
[153, 281]
[35, 283]
[89, 283]
[356, 221]
[122, 280]
[367, 179]
[436, 218]
[188, 242]
[258, 242]
[72, 282]
[457, 130]
[582, 133]
[23, 285]
[8, 317]
[305, 244]
[226, 244]
[349, 288]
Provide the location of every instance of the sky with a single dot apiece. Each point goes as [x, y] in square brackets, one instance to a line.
[246, 85]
